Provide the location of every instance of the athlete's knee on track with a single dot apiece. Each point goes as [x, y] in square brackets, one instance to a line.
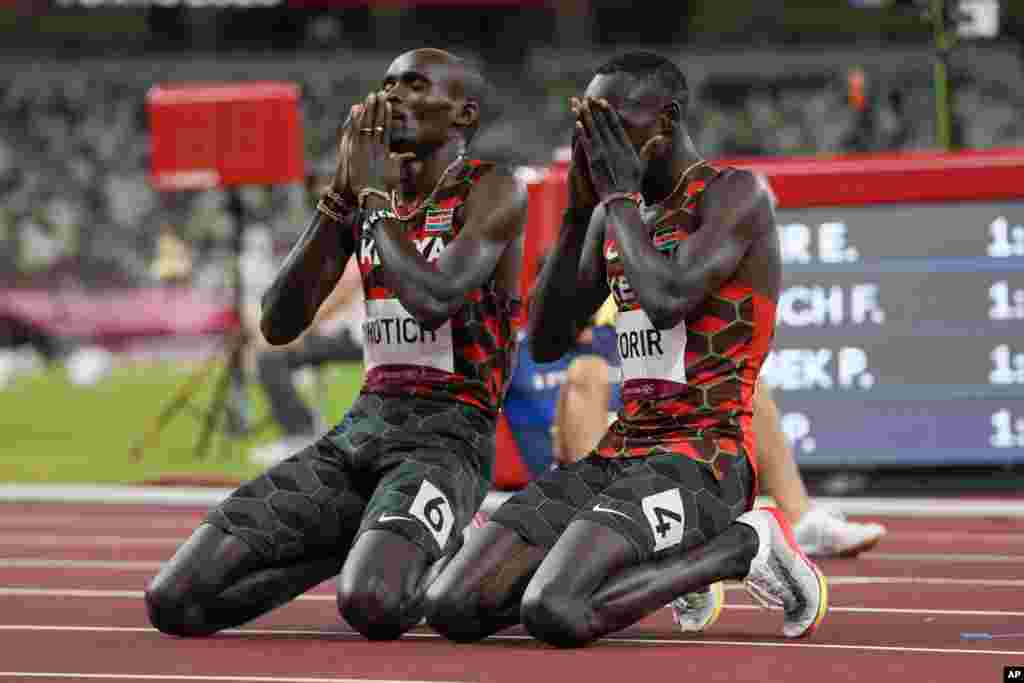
[453, 610]
[556, 618]
[373, 606]
[377, 587]
[173, 610]
[176, 598]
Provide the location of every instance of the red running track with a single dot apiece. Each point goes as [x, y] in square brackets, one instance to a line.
[71, 580]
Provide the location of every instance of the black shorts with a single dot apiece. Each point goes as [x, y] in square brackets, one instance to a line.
[417, 467]
[662, 503]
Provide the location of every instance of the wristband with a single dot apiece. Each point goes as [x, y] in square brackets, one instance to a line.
[338, 200]
[325, 208]
[335, 206]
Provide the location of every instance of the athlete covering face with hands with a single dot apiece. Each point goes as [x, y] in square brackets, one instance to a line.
[661, 507]
[383, 497]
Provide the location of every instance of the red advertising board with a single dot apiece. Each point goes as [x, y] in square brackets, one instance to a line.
[206, 135]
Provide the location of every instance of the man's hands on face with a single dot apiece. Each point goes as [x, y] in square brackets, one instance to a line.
[582, 195]
[369, 163]
[614, 165]
[346, 131]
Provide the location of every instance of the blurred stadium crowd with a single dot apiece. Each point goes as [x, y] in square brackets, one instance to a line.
[76, 206]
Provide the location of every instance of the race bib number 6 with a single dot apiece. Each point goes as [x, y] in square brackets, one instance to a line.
[649, 353]
[434, 510]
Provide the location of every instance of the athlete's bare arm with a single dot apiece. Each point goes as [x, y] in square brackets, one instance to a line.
[313, 266]
[572, 285]
[434, 292]
[349, 286]
[737, 212]
[307, 276]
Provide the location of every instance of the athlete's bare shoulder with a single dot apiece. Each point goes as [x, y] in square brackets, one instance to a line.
[498, 193]
[742, 204]
[742, 200]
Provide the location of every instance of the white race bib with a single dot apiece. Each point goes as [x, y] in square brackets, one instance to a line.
[392, 336]
[648, 353]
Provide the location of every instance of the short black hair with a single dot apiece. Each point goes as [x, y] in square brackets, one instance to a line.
[649, 66]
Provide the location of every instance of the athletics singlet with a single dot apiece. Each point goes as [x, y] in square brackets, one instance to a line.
[689, 389]
[468, 358]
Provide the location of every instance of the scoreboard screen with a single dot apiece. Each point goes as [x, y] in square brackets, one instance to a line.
[900, 324]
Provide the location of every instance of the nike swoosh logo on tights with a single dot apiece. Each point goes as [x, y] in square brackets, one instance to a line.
[388, 518]
[599, 508]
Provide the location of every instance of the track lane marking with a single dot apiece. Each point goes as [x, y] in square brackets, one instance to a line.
[64, 563]
[138, 595]
[193, 677]
[46, 563]
[512, 637]
[86, 540]
[135, 594]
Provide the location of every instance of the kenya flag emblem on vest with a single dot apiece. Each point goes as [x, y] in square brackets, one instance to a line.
[438, 220]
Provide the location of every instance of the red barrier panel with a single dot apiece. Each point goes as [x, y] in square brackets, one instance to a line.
[858, 179]
[510, 473]
[206, 135]
[849, 180]
[548, 200]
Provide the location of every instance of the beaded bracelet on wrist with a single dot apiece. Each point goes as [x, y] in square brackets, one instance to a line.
[338, 199]
[335, 206]
[326, 209]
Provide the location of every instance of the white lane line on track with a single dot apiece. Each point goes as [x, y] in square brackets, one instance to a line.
[919, 581]
[45, 563]
[51, 540]
[79, 541]
[965, 558]
[202, 498]
[352, 635]
[147, 522]
[130, 565]
[138, 595]
[956, 537]
[7, 675]
[91, 593]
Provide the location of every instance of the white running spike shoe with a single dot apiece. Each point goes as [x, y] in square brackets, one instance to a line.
[781, 575]
[697, 611]
[822, 532]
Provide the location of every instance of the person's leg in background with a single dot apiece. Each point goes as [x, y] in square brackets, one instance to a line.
[778, 469]
[819, 531]
[275, 368]
[581, 415]
[580, 421]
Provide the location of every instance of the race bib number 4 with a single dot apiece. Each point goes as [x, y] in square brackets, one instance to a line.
[649, 353]
[667, 517]
[391, 336]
